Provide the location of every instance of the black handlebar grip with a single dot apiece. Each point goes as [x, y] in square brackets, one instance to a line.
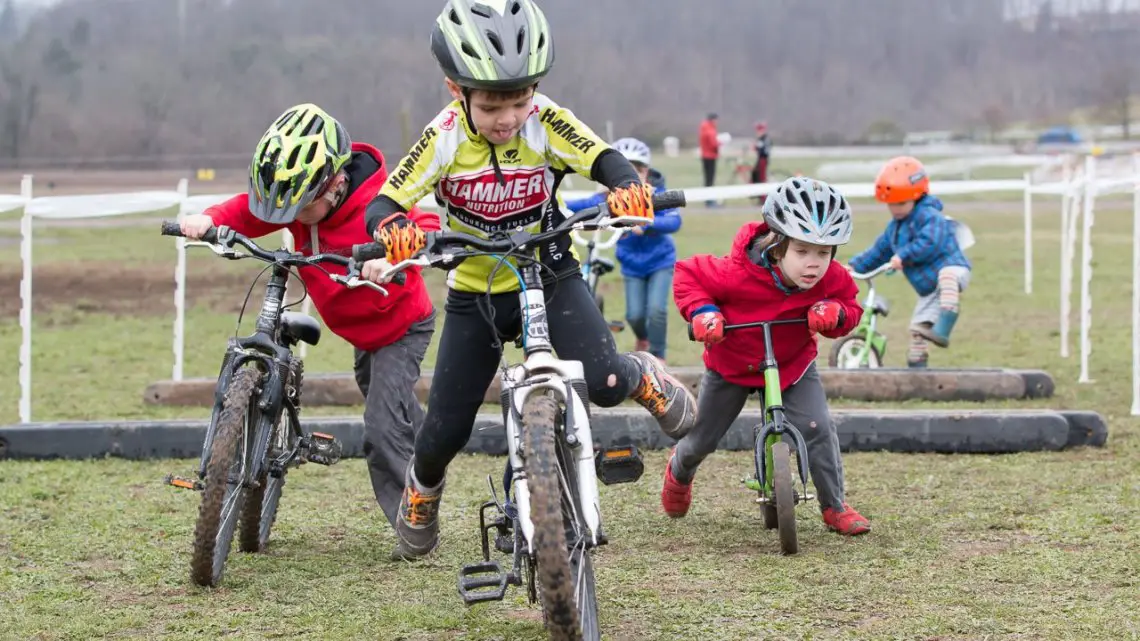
[368, 251]
[171, 228]
[400, 278]
[211, 235]
[669, 199]
[692, 336]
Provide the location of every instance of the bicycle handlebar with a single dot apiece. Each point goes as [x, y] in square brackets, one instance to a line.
[226, 237]
[786, 321]
[886, 267]
[437, 243]
[608, 243]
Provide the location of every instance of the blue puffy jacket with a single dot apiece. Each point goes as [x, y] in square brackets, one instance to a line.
[925, 242]
[653, 251]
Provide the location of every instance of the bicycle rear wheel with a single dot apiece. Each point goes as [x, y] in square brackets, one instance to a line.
[565, 574]
[260, 512]
[223, 496]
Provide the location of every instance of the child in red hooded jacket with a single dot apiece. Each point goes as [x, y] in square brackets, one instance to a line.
[309, 177]
[781, 268]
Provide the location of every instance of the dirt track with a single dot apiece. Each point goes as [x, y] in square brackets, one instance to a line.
[112, 288]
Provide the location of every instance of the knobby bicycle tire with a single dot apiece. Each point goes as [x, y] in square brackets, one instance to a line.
[214, 530]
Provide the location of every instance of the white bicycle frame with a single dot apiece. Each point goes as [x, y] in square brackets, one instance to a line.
[543, 372]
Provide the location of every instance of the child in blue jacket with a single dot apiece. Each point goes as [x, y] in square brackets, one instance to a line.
[647, 256]
[922, 242]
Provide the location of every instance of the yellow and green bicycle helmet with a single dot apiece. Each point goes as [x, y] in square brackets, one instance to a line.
[294, 161]
[495, 45]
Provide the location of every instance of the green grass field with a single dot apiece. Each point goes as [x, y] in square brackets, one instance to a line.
[1030, 546]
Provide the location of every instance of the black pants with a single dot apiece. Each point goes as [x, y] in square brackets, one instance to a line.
[709, 167]
[467, 363]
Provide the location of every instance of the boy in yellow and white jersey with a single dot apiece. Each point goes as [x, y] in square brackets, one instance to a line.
[495, 158]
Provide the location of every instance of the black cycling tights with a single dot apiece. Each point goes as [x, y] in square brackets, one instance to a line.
[467, 362]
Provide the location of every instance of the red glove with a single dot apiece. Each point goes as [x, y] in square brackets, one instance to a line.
[708, 327]
[824, 316]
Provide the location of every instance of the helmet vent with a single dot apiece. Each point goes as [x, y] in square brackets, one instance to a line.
[515, 8]
[541, 41]
[493, 38]
[469, 51]
[315, 125]
[309, 157]
[454, 17]
[521, 39]
[293, 156]
[481, 10]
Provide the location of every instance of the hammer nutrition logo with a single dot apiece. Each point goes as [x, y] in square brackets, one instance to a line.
[482, 195]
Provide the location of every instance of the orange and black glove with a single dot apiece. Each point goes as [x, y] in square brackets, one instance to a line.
[631, 200]
[402, 236]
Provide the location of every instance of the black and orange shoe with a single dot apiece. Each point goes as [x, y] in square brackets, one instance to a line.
[667, 399]
[417, 524]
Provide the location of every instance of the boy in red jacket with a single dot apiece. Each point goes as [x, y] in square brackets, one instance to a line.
[781, 268]
[309, 177]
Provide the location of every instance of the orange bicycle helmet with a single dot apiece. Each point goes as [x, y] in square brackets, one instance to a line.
[902, 179]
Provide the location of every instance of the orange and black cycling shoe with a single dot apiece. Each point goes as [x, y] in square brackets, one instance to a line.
[417, 523]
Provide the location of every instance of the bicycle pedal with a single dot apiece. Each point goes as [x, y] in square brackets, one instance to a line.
[616, 326]
[480, 582]
[184, 483]
[324, 449]
[618, 465]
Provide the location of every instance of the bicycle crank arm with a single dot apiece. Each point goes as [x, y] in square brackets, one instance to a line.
[184, 483]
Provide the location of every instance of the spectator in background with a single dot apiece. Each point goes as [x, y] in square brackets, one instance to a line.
[710, 151]
[763, 149]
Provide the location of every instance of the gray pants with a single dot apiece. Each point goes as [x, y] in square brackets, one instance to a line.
[805, 406]
[392, 414]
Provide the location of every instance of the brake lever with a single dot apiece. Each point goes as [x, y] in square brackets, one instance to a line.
[220, 250]
[352, 282]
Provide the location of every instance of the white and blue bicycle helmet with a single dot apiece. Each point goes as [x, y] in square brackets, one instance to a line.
[634, 150]
[809, 210]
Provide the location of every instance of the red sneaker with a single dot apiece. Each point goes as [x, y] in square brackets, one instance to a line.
[848, 522]
[675, 496]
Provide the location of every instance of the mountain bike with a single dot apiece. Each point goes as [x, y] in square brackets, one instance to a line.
[865, 346]
[255, 434]
[553, 524]
[772, 467]
[595, 266]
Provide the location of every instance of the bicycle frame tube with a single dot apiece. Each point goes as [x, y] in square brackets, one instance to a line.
[542, 372]
[262, 346]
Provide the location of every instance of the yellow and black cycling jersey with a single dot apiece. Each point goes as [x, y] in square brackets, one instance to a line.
[488, 189]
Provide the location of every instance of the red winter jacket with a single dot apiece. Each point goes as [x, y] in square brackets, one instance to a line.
[710, 146]
[362, 316]
[746, 293]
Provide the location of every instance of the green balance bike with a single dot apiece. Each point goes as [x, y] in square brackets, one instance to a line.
[865, 346]
[772, 476]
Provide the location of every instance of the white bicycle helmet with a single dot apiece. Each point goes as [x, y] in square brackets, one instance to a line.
[634, 150]
[809, 210]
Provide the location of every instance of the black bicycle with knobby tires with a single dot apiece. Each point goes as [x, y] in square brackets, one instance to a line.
[255, 434]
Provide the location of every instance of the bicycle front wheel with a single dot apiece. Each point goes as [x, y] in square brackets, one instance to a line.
[224, 495]
[564, 572]
[784, 489]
